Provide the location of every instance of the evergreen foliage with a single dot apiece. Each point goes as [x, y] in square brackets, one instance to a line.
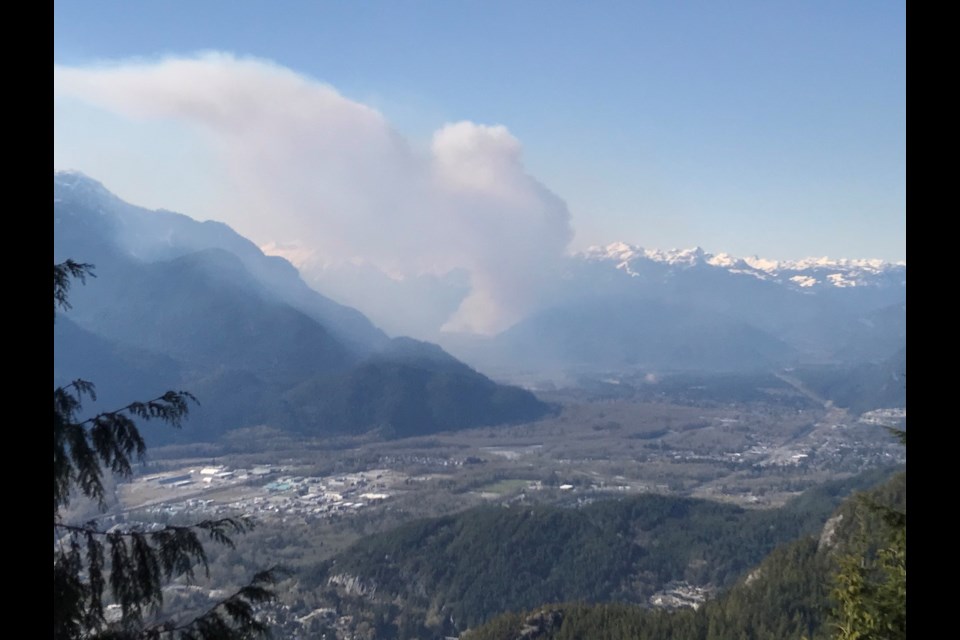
[128, 565]
[479, 563]
[870, 585]
[786, 597]
[62, 273]
[848, 586]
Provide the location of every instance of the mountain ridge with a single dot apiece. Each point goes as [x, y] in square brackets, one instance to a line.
[244, 331]
[847, 271]
[624, 308]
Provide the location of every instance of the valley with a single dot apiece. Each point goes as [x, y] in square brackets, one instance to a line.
[750, 455]
[314, 498]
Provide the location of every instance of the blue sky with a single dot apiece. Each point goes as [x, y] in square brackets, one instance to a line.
[752, 128]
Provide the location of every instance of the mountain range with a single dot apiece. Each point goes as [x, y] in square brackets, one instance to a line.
[177, 303]
[621, 307]
[182, 303]
[809, 273]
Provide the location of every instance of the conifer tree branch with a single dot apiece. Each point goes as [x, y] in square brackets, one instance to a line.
[214, 527]
[139, 563]
[134, 561]
[238, 607]
[62, 275]
[109, 439]
[171, 407]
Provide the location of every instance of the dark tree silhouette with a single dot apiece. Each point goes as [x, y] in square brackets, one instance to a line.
[129, 565]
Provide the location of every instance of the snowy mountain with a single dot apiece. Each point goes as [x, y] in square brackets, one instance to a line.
[623, 307]
[808, 273]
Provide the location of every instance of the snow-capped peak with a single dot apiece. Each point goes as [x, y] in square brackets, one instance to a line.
[677, 256]
[614, 251]
[761, 264]
[725, 260]
[806, 273]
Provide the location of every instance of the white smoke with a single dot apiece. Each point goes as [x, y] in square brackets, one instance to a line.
[330, 180]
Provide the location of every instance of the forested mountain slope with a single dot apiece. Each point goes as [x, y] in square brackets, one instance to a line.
[182, 304]
[474, 565]
[789, 595]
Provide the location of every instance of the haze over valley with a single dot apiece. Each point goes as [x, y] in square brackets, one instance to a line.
[209, 310]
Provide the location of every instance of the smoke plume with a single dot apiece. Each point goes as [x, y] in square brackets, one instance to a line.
[326, 180]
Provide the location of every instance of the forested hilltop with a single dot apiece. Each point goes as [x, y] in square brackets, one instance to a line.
[843, 584]
[441, 576]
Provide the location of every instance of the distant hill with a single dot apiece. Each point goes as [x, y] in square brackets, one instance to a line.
[617, 332]
[182, 304]
[861, 388]
[410, 389]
